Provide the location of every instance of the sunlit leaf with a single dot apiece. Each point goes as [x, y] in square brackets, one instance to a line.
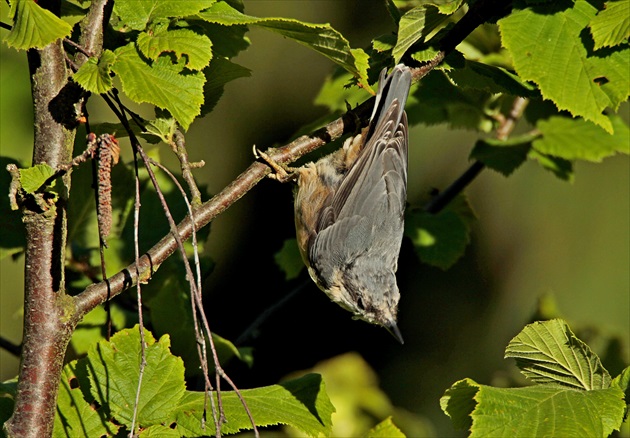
[137, 14]
[546, 45]
[33, 26]
[301, 403]
[385, 429]
[611, 25]
[540, 410]
[549, 352]
[181, 94]
[94, 74]
[75, 416]
[182, 42]
[33, 178]
[440, 239]
[577, 139]
[114, 372]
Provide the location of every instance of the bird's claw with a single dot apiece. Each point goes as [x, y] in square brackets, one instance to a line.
[280, 172]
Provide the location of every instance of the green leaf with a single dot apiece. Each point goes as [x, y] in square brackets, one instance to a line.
[362, 64]
[549, 352]
[611, 25]
[353, 388]
[94, 75]
[577, 139]
[227, 42]
[182, 42]
[301, 403]
[73, 11]
[75, 416]
[547, 48]
[8, 389]
[438, 100]
[159, 431]
[447, 6]
[162, 128]
[415, 25]
[334, 93]
[503, 156]
[33, 178]
[289, 259]
[320, 37]
[114, 372]
[34, 27]
[491, 79]
[393, 11]
[560, 167]
[137, 14]
[92, 327]
[540, 410]
[385, 429]
[440, 239]
[526, 412]
[622, 381]
[458, 402]
[159, 84]
[219, 73]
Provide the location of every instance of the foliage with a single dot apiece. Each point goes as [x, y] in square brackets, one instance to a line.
[104, 377]
[563, 65]
[573, 395]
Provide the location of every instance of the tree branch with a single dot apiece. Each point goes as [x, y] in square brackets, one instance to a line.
[48, 324]
[97, 294]
[45, 333]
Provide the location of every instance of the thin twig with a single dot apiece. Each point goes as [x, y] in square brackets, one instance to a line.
[136, 245]
[268, 312]
[77, 46]
[201, 344]
[189, 275]
[506, 127]
[14, 349]
[441, 200]
[509, 123]
[179, 147]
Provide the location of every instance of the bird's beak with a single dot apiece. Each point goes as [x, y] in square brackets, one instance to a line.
[393, 329]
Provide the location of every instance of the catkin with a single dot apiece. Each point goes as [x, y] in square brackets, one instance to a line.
[108, 153]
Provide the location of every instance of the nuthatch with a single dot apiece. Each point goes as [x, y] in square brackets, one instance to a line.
[349, 210]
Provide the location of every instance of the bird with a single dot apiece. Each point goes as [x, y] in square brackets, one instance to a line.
[349, 210]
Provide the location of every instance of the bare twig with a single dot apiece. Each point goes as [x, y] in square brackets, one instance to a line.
[77, 46]
[14, 349]
[268, 312]
[509, 123]
[504, 130]
[179, 147]
[201, 344]
[189, 275]
[443, 198]
[136, 248]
